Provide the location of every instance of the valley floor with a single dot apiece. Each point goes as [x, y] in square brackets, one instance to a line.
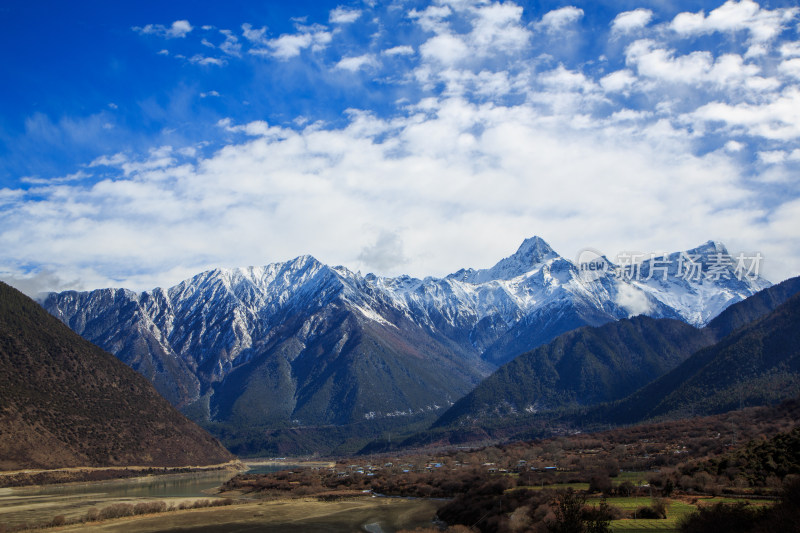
[33, 476]
[386, 515]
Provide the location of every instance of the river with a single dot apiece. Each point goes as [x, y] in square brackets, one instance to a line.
[39, 504]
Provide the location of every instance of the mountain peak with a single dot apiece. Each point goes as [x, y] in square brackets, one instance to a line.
[532, 252]
[709, 247]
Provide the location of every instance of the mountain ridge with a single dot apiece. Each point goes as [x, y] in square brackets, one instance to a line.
[289, 322]
[540, 376]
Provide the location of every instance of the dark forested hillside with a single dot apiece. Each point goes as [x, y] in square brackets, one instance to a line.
[757, 364]
[757, 306]
[584, 367]
[65, 402]
[641, 368]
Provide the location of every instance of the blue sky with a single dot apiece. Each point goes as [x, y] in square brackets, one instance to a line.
[143, 142]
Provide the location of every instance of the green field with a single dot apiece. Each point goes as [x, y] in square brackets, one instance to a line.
[557, 486]
[637, 478]
[676, 510]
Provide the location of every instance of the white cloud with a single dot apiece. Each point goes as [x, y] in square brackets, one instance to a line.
[494, 30]
[695, 68]
[499, 28]
[80, 175]
[199, 59]
[356, 63]
[790, 67]
[290, 45]
[558, 19]
[432, 19]
[253, 35]
[109, 161]
[618, 81]
[484, 176]
[178, 29]
[231, 44]
[445, 48]
[630, 21]
[343, 15]
[633, 300]
[501, 130]
[791, 49]
[734, 146]
[38, 283]
[745, 15]
[773, 157]
[386, 254]
[778, 119]
[402, 50]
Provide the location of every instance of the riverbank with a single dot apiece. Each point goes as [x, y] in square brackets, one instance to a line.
[81, 474]
[387, 515]
[33, 506]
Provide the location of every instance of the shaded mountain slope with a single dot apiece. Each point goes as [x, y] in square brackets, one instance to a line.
[592, 366]
[65, 402]
[583, 367]
[757, 306]
[757, 364]
[351, 369]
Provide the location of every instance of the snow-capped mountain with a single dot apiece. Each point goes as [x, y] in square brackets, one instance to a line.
[302, 343]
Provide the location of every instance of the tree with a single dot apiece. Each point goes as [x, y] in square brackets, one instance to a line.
[600, 483]
[568, 510]
[597, 519]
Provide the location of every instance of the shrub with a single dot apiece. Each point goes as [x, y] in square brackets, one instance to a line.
[648, 512]
[149, 508]
[737, 518]
[600, 483]
[117, 510]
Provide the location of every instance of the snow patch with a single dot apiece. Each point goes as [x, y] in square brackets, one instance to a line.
[372, 315]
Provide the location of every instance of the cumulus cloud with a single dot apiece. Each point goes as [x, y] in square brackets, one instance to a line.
[694, 68]
[290, 45]
[618, 81]
[178, 29]
[790, 67]
[492, 139]
[254, 35]
[744, 15]
[282, 193]
[356, 63]
[445, 48]
[777, 119]
[630, 21]
[385, 255]
[633, 300]
[558, 19]
[343, 15]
